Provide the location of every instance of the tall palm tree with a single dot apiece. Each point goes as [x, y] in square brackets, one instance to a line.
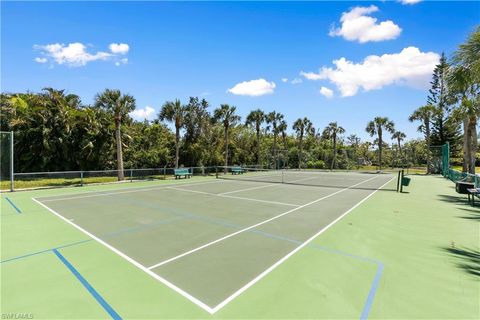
[119, 105]
[424, 114]
[332, 131]
[282, 128]
[301, 127]
[274, 118]
[399, 136]
[255, 119]
[376, 127]
[174, 111]
[464, 85]
[226, 115]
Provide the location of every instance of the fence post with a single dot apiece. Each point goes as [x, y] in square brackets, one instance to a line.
[12, 188]
[131, 175]
[81, 178]
[165, 173]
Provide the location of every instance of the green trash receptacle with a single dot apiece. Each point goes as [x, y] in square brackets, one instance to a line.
[405, 181]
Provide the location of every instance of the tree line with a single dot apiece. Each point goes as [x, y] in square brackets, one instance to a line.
[55, 131]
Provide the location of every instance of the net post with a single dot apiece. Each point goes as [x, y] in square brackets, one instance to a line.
[12, 188]
[401, 182]
[398, 180]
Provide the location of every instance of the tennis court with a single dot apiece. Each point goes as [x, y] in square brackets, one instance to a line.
[211, 240]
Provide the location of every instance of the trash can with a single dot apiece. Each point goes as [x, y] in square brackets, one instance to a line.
[405, 181]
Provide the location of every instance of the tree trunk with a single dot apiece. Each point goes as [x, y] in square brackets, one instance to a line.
[118, 138]
[226, 148]
[427, 140]
[258, 146]
[275, 148]
[466, 155]
[300, 154]
[177, 146]
[334, 153]
[380, 148]
[473, 143]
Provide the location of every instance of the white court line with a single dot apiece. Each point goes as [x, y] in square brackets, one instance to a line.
[251, 227]
[127, 191]
[132, 261]
[279, 262]
[221, 195]
[181, 291]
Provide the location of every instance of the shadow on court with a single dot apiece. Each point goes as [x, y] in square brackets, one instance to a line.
[468, 260]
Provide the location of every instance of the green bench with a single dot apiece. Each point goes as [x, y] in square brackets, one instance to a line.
[179, 173]
[237, 170]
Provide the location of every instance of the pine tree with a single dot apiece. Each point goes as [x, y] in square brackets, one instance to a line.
[443, 128]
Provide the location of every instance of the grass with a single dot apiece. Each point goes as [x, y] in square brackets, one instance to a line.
[65, 182]
[426, 239]
[459, 168]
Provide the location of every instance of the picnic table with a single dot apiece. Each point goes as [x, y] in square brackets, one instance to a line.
[474, 192]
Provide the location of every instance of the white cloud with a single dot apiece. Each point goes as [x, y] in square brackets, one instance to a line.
[284, 79]
[120, 48]
[41, 60]
[296, 81]
[406, 2]
[142, 114]
[357, 25]
[410, 67]
[253, 88]
[324, 91]
[76, 54]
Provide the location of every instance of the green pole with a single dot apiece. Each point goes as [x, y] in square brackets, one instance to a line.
[11, 162]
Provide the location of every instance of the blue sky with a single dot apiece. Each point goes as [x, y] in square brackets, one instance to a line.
[242, 53]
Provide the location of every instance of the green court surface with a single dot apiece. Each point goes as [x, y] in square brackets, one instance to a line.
[348, 247]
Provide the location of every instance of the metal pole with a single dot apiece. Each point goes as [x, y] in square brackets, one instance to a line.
[11, 162]
[81, 178]
[401, 182]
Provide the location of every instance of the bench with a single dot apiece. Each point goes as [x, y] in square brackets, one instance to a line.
[475, 192]
[237, 170]
[179, 173]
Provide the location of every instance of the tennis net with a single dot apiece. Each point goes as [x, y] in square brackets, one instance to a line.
[368, 180]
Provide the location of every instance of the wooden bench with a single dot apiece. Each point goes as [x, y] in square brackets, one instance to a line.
[237, 170]
[475, 192]
[179, 173]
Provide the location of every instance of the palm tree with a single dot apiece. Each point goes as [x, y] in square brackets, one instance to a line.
[464, 85]
[376, 127]
[255, 119]
[226, 115]
[424, 114]
[282, 128]
[120, 105]
[301, 126]
[331, 132]
[174, 111]
[399, 136]
[275, 118]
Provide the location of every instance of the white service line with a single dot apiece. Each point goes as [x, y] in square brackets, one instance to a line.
[253, 226]
[132, 261]
[125, 191]
[221, 195]
[279, 262]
